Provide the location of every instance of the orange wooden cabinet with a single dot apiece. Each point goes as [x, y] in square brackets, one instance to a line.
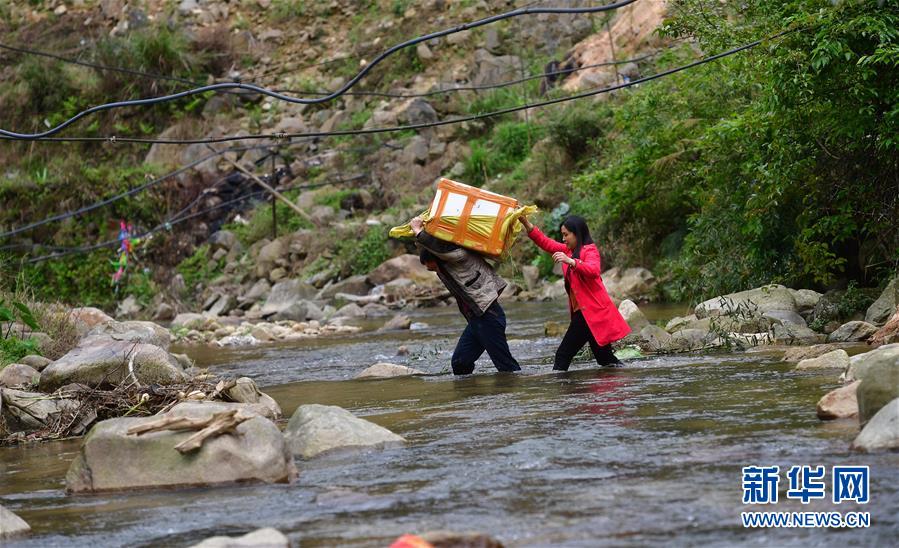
[469, 216]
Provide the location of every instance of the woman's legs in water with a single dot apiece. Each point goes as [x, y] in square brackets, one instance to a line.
[575, 338]
[577, 335]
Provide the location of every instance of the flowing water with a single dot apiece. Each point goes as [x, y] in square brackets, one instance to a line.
[642, 455]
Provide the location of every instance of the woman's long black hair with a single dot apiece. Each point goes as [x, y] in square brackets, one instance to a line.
[578, 226]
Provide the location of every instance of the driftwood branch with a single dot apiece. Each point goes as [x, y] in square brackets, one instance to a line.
[218, 423]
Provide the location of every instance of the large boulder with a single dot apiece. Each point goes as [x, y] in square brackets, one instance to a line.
[354, 285]
[404, 266]
[852, 332]
[106, 363]
[880, 385]
[632, 315]
[133, 331]
[885, 305]
[806, 300]
[111, 459]
[261, 538]
[882, 431]
[18, 374]
[87, 317]
[753, 301]
[32, 410]
[493, 69]
[686, 340]
[387, 370]
[223, 239]
[800, 353]
[631, 283]
[840, 403]
[288, 300]
[687, 322]
[12, 525]
[189, 320]
[838, 359]
[316, 429]
[795, 334]
[655, 338]
[861, 363]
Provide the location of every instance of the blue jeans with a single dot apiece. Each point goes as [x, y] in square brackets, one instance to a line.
[487, 332]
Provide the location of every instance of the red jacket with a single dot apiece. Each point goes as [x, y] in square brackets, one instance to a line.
[602, 316]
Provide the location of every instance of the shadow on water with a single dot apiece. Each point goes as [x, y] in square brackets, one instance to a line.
[646, 454]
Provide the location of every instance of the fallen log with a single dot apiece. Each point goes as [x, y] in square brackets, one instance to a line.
[218, 423]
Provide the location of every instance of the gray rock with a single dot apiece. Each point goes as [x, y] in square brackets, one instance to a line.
[807, 352]
[375, 310]
[806, 300]
[37, 362]
[554, 291]
[687, 322]
[287, 300]
[885, 305]
[186, 7]
[398, 322]
[852, 332]
[631, 283]
[795, 334]
[261, 538]
[128, 308]
[861, 363]
[387, 371]
[12, 525]
[785, 317]
[417, 150]
[491, 40]
[18, 374]
[87, 317]
[351, 310]
[838, 359]
[189, 320]
[317, 429]
[632, 315]
[531, 275]
[691, 339]
[132, 331]
[880, 385]
[424, 52]
[32, 410]
[416, 111]
[761, 300]
[164, 312]
[256, 293]
[354, 285]
[223, 305]
[492, 69]
[270, 253]
[655, 338]
[882, 431]
[106, 363]
[839, 404]
[223, 239]
[404, 266]
[113, 460]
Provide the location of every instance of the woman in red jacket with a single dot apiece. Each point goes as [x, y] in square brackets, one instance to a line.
[594, 317]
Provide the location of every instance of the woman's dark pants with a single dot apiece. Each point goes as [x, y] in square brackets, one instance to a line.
[577, 335]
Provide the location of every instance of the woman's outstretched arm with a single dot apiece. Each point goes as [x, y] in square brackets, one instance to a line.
[542, 240]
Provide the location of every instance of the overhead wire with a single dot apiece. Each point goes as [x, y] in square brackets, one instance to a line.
[425, 125]
[297, 100]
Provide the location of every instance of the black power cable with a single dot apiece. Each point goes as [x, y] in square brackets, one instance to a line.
[424, 125]
[343, 89]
